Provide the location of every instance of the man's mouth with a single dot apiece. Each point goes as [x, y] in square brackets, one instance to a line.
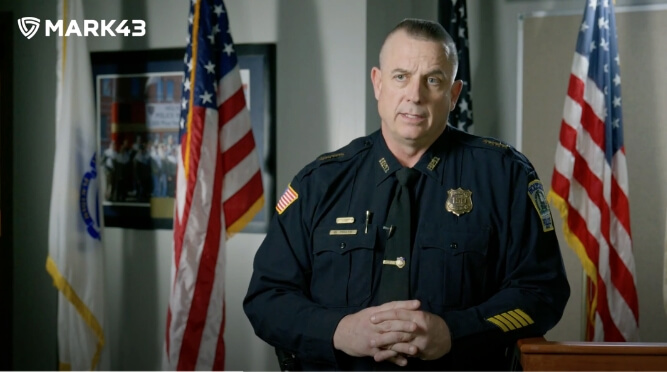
[409, 116]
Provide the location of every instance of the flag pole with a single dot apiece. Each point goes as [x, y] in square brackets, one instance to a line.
[664, 268]
[584, 305]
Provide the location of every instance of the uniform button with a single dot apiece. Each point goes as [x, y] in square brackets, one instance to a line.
[342, 245]
[453, 246]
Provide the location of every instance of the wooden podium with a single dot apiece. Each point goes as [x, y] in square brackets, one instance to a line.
[538, 354]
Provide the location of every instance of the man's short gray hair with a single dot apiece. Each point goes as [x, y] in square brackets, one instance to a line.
[429, 31]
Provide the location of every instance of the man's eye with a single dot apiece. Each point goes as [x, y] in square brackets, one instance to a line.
[433, 80]
[399, 77]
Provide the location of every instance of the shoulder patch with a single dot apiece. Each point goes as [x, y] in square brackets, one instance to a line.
[289, 197]
[536, 194]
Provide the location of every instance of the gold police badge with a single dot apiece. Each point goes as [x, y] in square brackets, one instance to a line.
[459, 201]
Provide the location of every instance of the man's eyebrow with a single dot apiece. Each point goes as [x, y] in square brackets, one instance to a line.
[436, 71]
[399, 70]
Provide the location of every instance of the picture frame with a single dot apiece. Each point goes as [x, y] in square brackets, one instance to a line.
[138, 103]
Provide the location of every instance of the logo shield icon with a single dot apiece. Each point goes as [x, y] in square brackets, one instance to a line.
[28, 26]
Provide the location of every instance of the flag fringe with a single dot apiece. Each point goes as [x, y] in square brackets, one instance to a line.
[578, 247]
[63, 286]
[241, 223]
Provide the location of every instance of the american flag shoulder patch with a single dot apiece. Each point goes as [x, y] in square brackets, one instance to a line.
[289, 197]
[537, 195]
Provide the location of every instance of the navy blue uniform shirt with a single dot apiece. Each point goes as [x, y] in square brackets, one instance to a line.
[494, 273]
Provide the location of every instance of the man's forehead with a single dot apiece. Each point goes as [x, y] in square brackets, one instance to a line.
[402, 43]
[409, 55]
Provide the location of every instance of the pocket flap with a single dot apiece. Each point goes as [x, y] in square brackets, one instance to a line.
[455, 241]
[336, 239]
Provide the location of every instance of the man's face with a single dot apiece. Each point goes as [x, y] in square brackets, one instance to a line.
[415, 90]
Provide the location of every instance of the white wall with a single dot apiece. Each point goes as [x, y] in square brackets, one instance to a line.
[324, 51]
[321, 74]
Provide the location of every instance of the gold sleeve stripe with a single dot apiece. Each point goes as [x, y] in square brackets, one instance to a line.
[510, 319]
[525, 316]
[504, 321]
[518, 318]
[522, 317]
[499, 324]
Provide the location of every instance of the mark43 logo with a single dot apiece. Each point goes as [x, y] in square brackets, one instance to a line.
[90, 27]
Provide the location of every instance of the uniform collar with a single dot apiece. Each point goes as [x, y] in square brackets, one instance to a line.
[432, 163]
[385, 163]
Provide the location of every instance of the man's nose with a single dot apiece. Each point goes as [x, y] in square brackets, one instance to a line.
[414, 90]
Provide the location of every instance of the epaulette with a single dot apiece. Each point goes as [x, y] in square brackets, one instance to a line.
[492, 144]
[478, 141]
[341, 155]
[503, 148]
[495, 143]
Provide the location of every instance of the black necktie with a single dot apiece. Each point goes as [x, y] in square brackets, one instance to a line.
[395, 279]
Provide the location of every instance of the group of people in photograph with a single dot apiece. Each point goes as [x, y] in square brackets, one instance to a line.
[138, 170]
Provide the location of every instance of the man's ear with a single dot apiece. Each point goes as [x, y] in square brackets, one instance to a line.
[455, 92]
[376, 79]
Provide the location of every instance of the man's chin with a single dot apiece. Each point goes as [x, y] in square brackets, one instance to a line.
[413, 134]
[419, 138]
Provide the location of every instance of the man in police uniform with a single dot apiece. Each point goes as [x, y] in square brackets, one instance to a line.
[484, 267]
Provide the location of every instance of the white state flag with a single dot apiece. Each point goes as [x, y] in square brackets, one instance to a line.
[75, 260]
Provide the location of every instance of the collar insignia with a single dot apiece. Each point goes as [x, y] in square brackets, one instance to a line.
[384, 165]
[434, 161]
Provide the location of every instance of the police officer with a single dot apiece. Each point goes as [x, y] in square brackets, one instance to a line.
[483, 267]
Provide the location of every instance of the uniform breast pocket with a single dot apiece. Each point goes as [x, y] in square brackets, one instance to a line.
[342, 265]
[453, 267]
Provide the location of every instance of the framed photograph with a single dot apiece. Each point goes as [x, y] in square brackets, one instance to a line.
[138, 104]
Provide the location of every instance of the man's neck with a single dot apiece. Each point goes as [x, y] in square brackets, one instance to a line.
[407, 153]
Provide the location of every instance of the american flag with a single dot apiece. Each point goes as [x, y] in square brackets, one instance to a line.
[219, 189]
[454, 18]
[590, 180]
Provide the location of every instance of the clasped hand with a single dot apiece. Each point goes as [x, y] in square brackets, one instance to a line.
[393, 332]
